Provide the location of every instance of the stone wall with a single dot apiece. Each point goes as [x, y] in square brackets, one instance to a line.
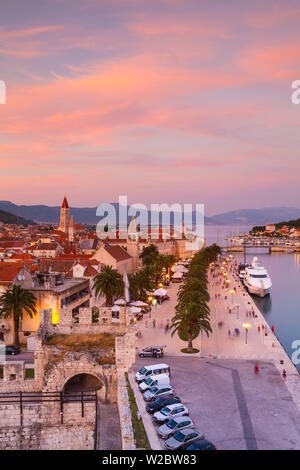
[41, 437]
[128, 441]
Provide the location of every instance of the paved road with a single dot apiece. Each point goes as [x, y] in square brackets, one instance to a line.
[23, 356]
[109, 433]
[235, 408]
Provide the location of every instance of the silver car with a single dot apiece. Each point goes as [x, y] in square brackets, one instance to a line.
[174, 425]
[182, 439]
[158, 391]
[170, 411]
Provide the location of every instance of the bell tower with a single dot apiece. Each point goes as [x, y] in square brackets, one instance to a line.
[133, 243]
[64, 217]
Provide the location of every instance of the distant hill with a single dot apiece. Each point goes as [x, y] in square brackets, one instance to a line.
[87, 215]
[8, 218]
[263, 216]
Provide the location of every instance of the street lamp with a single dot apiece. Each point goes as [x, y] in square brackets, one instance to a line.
[232, 292]
[246, 326]
[237, 306]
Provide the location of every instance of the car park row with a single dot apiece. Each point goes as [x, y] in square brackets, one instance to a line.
[169, 416]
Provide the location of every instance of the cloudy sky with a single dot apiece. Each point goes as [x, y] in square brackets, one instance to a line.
[183, 101]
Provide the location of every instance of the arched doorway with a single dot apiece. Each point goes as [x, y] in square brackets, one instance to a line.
[82, 383]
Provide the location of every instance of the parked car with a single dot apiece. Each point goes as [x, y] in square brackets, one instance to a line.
[161, 379]
[182, 439]
[174, 425]
[170, 411]
[152, 351]
[12, 350]
[153, 369]
[158, 391]
[202, 445]
[160, 403]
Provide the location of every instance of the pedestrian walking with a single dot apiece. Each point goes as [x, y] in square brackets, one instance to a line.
[229, 334]
[256, 369]
[146, 324]
[273, 328]
[258, 329]
[284, 374]
[154, 323]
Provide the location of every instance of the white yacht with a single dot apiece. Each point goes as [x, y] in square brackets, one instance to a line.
[257, 279]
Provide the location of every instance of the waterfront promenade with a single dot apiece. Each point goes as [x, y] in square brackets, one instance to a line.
[262, 346]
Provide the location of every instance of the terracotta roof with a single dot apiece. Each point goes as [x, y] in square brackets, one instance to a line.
[8, 274]
[12, 244]
[90, 271]
[72, 256]
[117, 252]
[44, 246]
[23, 256]
[61, 266]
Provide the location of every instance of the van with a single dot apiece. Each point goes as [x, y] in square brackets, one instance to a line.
[161, 379]
[154, 369]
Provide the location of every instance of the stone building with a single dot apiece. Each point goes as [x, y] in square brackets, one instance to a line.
[85, 382]
[64, 217]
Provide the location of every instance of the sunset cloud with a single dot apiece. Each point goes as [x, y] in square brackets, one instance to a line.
[103, 100]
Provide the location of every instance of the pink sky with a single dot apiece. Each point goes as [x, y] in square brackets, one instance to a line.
[162, 101]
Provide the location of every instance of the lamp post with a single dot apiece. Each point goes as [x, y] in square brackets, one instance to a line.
[232, 292]
[246, 326]
[237, 306]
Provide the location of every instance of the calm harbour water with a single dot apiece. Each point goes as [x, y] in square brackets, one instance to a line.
[282, 307]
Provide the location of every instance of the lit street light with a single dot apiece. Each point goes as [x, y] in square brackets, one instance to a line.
[246, 326]
[232, 292]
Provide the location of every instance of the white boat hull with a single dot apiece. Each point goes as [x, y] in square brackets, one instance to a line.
[259, 291]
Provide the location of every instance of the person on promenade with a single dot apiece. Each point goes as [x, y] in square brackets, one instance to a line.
[284, 374]
[154, 323]
[273, 328]
[256, 369]
[258, 329]
[229, 333]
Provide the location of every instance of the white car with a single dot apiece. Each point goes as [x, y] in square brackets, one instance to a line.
[174, 425]
[170, 411]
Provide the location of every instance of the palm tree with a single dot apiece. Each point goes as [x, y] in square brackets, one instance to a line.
[110, 284]
[189, 321]
[13, 302]
[193, 290]
[140, 283]
[149, 254]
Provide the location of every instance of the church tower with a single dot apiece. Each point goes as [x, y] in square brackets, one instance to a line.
[64, 217]
[133, 243]
[71, 230]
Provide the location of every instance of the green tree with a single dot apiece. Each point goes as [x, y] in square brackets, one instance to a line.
[193, 290]
[140, 283]
[149, 254]
[192, 319]
[13, 303]
[109, 283]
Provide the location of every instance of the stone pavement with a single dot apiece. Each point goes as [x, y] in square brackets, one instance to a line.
[219, 344]
[235, 408]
